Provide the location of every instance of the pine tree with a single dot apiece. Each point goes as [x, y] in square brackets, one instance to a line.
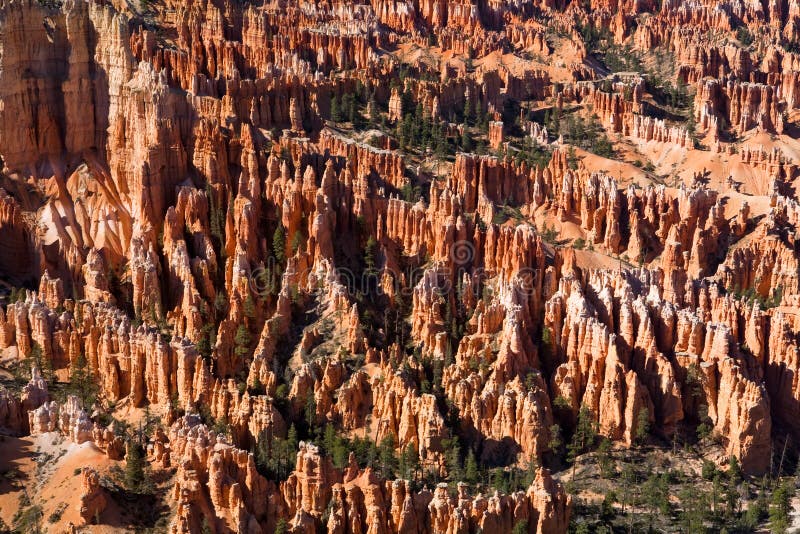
[42, 363]
[310, 413]
[583, 437]
[628, 477]
[453, 459]
[471, 468]
[29, 520]
[249, 307]
[780, 507]
[604, 458]
[341, 454]
[704, 428]
[585, 433]
[642, 425]
[734, 470]
[258, 387]
[467, 144]
[81, 382]
[369, 255]
[329, 439]
[469, 112]
[204, 343]
[275, 456]
[556, 440]
[409, 462]
[387, 457]
[298, 241]
[134, 467]
[695, 505]
[336, 109]
[656, 496]
[279, 243]
[291, 437]
[241, 341]
[216, 221]
[607, 511]
[349, 107]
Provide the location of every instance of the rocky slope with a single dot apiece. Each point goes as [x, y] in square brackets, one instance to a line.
[443, 232]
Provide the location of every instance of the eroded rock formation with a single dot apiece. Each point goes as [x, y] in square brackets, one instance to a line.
[413, 226]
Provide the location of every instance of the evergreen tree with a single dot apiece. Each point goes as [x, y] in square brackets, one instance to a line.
[471, 473]
[482, 119]
[556, 440]
[329, 439]
[37, 358]
[310, 413]
[453, 459]
[604, 459]
[369, 255]
[406, 133]
[216, 220]
[705, 426]
[29, 520]
[340, 453]
[134, 467]
[695, 506]
[336, 109]
[386, 457]
[249, 307]
[642, 426]
[469, 112]
[583, 437]
[241, 341]
[731, 501]
[298, 241]
[279, 243]
[409, 462]
[734, 470]
[266, 281]
[349, 107]
[205, 343]
[275, 456]
[780, 507]
[466, 140]
[629, 479]
[585, 433]
[258, 387]
[358, 121]
[81, 382]
[656, 496]
[607, 511]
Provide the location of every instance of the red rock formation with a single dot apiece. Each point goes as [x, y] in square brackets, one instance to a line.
[93, 500]
[206, 244]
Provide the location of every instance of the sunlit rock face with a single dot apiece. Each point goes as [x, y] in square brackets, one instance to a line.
[405, 226]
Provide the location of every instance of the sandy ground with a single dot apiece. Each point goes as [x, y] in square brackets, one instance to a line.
[47, 469]
[624, 173]
[17, 467]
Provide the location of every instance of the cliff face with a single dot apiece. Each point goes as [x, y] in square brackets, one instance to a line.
[55, 74]
[375, 221]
